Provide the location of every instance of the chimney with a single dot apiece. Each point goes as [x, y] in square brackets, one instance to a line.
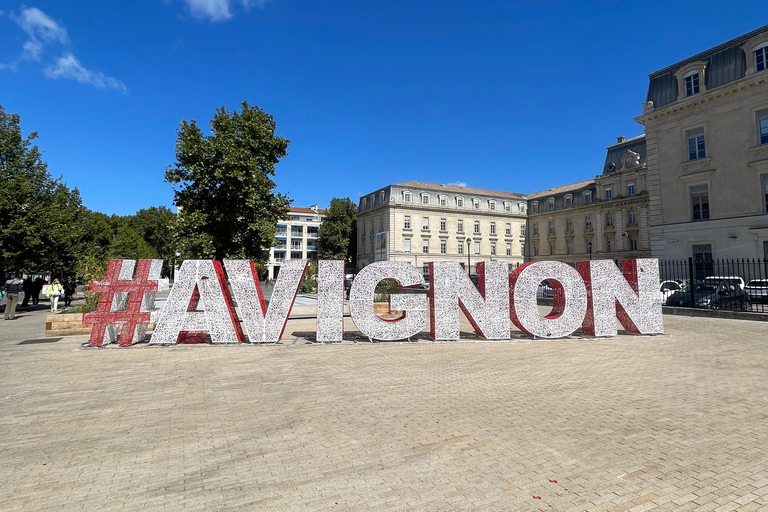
[620, 139]
[313, 207]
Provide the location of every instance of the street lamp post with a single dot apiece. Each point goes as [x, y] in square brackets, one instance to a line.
[469, 263]
[589, 248]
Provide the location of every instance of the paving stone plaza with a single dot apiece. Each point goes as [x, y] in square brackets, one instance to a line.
[672, 422]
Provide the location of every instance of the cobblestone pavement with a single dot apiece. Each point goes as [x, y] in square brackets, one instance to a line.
[674, 422]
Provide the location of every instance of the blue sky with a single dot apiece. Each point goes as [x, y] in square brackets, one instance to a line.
[514, 96]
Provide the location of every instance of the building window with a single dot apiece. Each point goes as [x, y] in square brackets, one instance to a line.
[762, 126]
[631, 217]
[477, 226]
[608, 193]
[765, 193]
[460, 202]
[522, 249]
[407, 245]
[631, 189]
[508, 229]
[633, 244]
[493, 249]
[425, 271]
[587, 197]
[507, 207]
[407, 197]
[476, 204]
[551, 249]
[425, 223]
[535, 206]
[443, 247]
[696, 147]
[535, 228]
[588, 222]
[535, 250]
[407, 222]
[461, 247]
[699, 203]
[521, 207]
[761, 56]
[442, 224]
[477, 247]
[568, 225]
[522, 229]
[424, 198]
[442, 201]
[492, 205]
[608, 219]
[460, 226]
[425, 246]
[551, 227]
[493, 228]
[568, 201]
[569, 248]
[608, 244]
[691, 83]
[551, 204]
[509, 249]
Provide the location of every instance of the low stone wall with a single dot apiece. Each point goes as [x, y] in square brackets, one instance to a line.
[70, 325]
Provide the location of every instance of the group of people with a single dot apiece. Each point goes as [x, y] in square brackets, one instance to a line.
[15, 286]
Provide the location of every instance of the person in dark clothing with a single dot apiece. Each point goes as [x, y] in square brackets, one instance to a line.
[27, 289]
[69, 291]
[37, 287]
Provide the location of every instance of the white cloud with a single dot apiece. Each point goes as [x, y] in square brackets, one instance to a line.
[218, 10]
[67, 66]
[457, 184]
[44, 31]
[39, 26]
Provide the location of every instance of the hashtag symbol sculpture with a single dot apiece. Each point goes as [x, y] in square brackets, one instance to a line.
[125, 302]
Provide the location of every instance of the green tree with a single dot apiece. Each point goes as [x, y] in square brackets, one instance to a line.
[338, 232]
[155, 226]
[38, 214]
[223, 186]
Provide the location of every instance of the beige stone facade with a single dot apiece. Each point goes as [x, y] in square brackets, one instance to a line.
[422, 222]
[707, 158]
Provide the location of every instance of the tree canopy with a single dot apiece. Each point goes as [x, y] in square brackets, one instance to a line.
[223, 187]
[338, 232]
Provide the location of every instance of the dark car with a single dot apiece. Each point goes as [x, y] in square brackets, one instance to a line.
[683, 296]
[757, 290]
[726, 296]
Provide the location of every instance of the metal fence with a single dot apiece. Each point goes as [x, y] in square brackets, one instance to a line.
[736, 284]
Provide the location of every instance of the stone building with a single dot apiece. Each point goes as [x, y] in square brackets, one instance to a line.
[296, 238]
[606, 217]
[706, 130]
[422, 222]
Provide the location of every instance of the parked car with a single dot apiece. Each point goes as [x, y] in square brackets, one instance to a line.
[726, 296]
[718, 280]
[667, 288]
[757, 289]
[682, 297]
[545, 290]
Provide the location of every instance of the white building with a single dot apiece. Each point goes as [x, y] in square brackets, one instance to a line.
[296, 238]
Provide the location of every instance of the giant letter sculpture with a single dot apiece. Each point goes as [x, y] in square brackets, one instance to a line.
[570, 299]
[487, 309]
[330, 300]
[265, 324]
[362, 294]
[198, 281]
[632, 297]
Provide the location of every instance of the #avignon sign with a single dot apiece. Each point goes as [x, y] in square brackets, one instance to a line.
[202, 301]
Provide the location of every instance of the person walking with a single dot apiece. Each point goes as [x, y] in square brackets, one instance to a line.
[13, 287]
[69, 290]
[54, 292]
[27, 287]
[37, 287]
